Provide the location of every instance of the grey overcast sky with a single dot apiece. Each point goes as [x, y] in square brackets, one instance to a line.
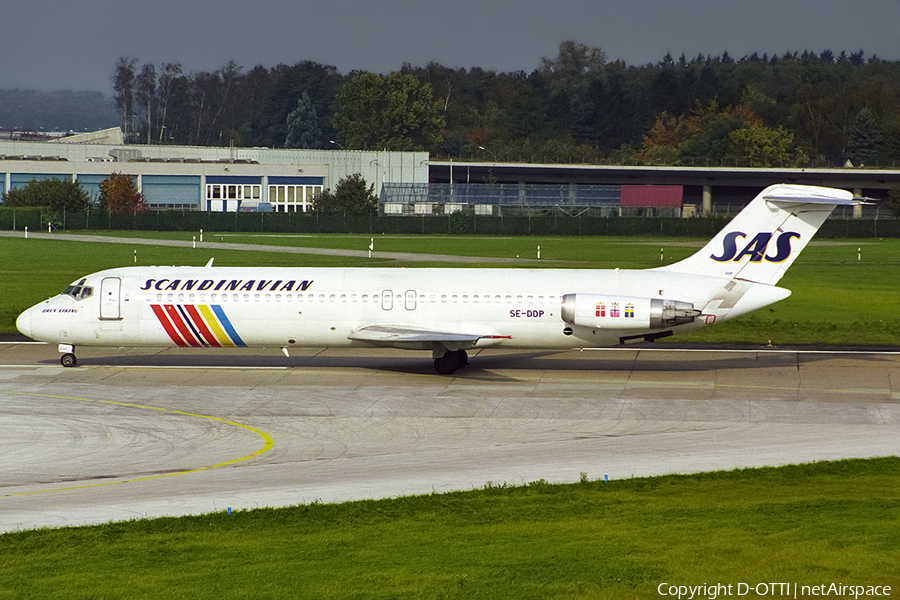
[59, 44]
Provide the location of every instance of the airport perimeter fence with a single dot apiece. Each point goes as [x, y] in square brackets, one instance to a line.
[554, 224]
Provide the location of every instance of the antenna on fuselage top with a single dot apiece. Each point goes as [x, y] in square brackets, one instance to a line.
[209, 264]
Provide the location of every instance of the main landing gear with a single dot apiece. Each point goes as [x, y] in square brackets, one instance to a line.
[451, 361]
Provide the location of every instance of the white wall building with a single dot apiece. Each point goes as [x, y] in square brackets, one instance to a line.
[206, 178]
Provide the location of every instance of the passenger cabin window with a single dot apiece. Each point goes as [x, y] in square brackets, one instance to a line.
[79, 291]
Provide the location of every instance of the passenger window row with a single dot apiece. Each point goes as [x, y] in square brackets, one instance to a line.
[377, 298]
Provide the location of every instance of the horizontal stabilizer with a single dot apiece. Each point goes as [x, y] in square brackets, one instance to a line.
[809, 195]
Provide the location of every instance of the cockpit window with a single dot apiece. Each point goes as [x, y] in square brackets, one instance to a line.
[79, 291]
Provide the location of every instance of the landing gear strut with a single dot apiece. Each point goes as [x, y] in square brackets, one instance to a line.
[451, 361]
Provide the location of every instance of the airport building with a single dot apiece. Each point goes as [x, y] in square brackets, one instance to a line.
[263, 179]
[204, 178]
[190, 178]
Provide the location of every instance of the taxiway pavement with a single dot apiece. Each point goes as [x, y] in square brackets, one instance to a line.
[146, 432]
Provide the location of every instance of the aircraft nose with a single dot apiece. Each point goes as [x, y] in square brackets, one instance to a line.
[23, 323]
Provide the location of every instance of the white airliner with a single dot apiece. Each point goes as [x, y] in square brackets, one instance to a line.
[447, 311]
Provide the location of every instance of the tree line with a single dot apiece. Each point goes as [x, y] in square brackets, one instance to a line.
[809, 108]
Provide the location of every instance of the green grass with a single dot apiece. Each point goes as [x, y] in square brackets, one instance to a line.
[836, 299]
[598, 252]
[810, 524]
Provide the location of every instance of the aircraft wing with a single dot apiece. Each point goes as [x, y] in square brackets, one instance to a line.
[388, 335]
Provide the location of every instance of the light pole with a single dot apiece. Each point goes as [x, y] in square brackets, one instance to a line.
[491, 153]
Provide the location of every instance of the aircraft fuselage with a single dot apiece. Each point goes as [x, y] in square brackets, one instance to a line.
[294, 307]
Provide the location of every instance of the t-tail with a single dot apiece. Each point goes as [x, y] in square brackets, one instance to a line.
[762, 241]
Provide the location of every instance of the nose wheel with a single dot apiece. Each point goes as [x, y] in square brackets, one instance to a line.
[68, 360]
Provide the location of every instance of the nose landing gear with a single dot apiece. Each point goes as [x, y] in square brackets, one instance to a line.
[68, 358]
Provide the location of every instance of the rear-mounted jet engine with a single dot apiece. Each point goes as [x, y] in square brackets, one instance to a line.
[624, 312]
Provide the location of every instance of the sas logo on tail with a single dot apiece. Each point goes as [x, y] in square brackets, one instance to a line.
[756, 248]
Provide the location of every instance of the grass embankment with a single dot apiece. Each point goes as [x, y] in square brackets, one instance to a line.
[836, 298]
[810, 524]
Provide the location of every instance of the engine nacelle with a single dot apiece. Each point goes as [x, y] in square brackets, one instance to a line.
[624, 312]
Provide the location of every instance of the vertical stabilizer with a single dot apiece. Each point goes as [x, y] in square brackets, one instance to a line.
[762, 241]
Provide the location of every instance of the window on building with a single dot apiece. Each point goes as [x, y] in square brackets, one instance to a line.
[293, 198]
[233, 192]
